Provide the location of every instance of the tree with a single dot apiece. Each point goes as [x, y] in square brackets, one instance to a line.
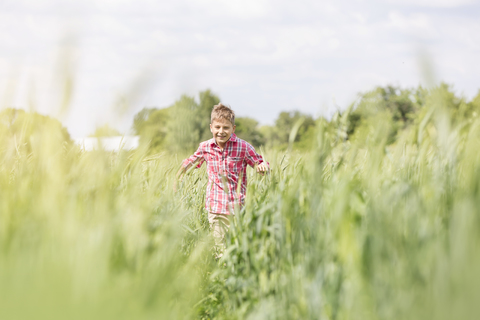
[178, 128]
[105, 131]
[30, 129]
[247, 129]
[140, 119]
[207, 101]
[183, 132]
[398, 105]
[151, 125]
[279, 135]
[475, 103]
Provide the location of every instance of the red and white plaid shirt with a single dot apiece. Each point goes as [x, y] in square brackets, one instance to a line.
[225, 167]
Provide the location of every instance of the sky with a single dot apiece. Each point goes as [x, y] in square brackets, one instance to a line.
[93, 62]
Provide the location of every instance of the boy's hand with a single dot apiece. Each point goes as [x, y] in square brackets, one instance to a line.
[262, 168]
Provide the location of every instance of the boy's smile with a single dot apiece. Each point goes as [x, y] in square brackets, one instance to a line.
[222, 130]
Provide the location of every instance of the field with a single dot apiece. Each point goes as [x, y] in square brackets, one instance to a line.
[358, 228]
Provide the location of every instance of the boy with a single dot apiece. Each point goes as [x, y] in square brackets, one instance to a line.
[227, 157]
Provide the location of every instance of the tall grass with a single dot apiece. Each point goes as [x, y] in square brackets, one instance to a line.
[91, 235]
[352, 229]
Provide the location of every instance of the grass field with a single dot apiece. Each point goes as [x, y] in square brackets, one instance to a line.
[351, 229]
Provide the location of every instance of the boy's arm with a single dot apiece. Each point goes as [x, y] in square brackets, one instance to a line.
[256, 161]
[195, 159]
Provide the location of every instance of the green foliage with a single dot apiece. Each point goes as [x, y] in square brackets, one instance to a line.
[361, 229]
[92, 235]
[475, 103]
[204, 110]
[182, 126]
[353, 228]
[189, 124]
[27, 128]
[278, 136]
[178, 128]
[287, 120]
[152, 126]
[248, 130]
[399, 108]
[105, 131]
[140, 120]
[183, 134]
[396, 106]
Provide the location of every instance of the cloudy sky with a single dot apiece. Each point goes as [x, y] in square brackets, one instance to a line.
[260, 56]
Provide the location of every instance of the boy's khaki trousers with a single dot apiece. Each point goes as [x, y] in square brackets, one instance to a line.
[219, 224]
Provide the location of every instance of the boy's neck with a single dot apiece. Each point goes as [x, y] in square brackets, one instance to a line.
[221, 146]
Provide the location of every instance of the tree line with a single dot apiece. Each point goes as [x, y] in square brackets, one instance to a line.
[183, 125]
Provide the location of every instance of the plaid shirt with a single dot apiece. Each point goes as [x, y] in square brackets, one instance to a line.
[224, 170]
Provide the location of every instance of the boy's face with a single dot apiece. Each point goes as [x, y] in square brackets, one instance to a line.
[222, 129]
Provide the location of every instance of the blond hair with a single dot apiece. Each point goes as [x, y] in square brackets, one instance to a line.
[221, 111]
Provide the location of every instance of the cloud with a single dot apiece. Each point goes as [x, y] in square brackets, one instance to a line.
[260, 56]
[417, 25]
[243, 9]
[433, 3]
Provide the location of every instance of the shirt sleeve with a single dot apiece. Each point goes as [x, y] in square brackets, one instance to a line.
[252, 157]
[197, 158]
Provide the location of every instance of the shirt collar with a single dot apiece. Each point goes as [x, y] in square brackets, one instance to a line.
[233, 138]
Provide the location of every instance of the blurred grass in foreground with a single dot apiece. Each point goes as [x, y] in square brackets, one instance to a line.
[353, 229]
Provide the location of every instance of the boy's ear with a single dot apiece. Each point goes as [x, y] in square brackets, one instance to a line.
[211, 128]
[234, 126]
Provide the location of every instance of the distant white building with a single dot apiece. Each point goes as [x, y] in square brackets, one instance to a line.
[109, 143]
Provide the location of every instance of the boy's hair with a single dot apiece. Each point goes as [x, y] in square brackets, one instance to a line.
[221, 111]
